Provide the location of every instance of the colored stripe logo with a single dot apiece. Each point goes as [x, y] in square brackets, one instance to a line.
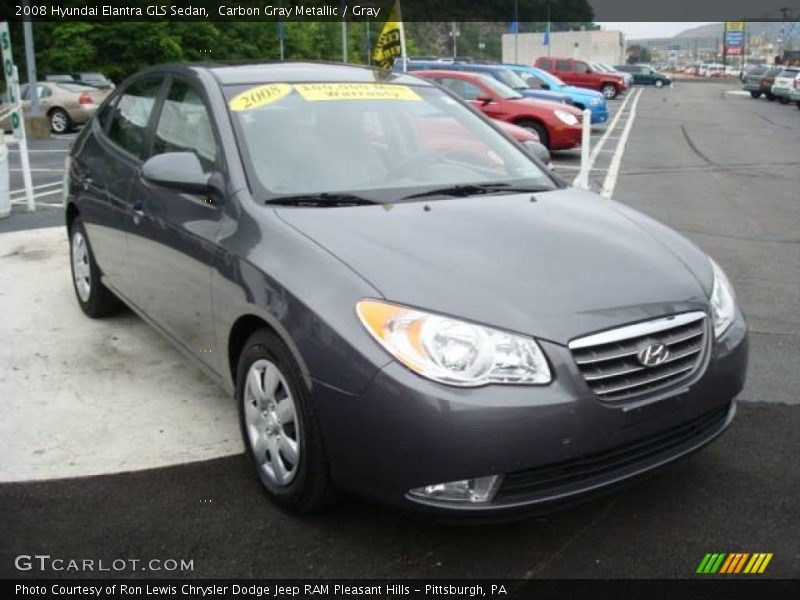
[734, 562]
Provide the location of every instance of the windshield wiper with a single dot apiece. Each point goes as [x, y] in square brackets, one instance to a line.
[321, 200]
[477, 189]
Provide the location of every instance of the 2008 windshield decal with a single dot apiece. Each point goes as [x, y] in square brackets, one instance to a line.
[262, 95]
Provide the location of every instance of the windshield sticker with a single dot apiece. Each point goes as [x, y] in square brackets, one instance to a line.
[314, 92]
[259, 96]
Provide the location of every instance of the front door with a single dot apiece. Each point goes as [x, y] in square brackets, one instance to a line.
[172, 240]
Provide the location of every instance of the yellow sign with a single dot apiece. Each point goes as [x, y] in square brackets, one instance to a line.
[314, 92]
[390, 43]
[735, 25]
[259, 96]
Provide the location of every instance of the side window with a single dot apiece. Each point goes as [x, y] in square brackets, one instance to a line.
[535, 83]
[42, 91]
[132, 113]
[545, 64]
[25, 92]
[472, 92]
[454, 85]
[562, 65]
[105, 114]
[185, 126]
[581, 67]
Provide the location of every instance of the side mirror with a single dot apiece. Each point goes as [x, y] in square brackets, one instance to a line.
[484, 100]
[544, 86]
[179, 171]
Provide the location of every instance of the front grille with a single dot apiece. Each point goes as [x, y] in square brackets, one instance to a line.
[616, 462]
[609, 360]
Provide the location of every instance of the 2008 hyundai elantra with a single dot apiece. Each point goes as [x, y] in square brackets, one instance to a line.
[432, 321]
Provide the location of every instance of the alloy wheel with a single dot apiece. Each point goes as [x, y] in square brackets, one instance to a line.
[58, 121]
[81, 269]
[271, 422]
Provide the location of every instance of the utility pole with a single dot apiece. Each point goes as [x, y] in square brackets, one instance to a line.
[30, 60]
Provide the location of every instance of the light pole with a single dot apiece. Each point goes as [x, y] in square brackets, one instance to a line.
[454, 33]
[30, 60]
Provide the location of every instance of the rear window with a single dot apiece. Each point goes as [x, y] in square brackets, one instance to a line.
[562, 65]
[545, 63]
[76, 88]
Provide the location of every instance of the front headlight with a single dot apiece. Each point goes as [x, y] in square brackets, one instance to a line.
[452, 351]
[597, 101]
[723, 300]
[566, 117]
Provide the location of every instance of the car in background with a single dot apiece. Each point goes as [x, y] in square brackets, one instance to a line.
[581, 97]
[66, 104]
[557, 125]
[97, 80]
[784, 83]
[581, 74]
[767, 80]
[645, 75]
[794, 94]
[751, 80]
[500, 72]
[598, 66]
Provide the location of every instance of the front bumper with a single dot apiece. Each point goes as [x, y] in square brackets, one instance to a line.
[794, 95]
[551, 444]
[564, 137]
[599, 112]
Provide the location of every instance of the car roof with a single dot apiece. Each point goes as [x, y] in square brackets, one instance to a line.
[452, 74]
[243, 73]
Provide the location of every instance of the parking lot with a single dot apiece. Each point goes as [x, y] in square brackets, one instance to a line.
[716, 165]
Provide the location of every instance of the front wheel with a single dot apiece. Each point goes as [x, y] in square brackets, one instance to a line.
[755, 95]
[659, 83]
[538, 129]
[95, 299]
[60, 121]
[279, 425]
[783, 100]
[770, 97]
[609, 91]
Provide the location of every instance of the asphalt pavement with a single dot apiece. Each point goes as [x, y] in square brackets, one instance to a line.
[719, 167]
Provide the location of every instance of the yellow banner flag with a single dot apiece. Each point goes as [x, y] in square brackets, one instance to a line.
[390, 43]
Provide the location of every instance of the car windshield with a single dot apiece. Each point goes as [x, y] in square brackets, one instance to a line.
[501, 89]
[379, 142]
[511, 79]
[550, 79]
[99, 77]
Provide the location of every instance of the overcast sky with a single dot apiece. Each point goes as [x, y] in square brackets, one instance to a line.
[634, 31]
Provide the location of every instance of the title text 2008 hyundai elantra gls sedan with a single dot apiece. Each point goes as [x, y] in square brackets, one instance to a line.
[430, 321]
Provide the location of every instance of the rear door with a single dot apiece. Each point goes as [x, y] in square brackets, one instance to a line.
[172, 239]
[583, 75]
[107, 163]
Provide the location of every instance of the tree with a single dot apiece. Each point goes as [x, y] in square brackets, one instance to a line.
[638, 54]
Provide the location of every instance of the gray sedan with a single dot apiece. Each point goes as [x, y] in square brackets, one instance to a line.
[406, 305]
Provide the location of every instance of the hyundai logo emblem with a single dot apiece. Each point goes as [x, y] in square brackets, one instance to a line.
[653, 355]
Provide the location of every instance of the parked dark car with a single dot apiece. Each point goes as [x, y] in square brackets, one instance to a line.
[458, 334]
[751, 80]
[645, 75]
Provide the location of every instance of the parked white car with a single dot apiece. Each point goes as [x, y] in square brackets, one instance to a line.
[784, 83]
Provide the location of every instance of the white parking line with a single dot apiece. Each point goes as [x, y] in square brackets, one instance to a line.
[38, 187]
[610, 181]
[36, 196]
[41, 169]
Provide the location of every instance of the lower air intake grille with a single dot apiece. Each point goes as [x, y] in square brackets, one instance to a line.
[624, 363]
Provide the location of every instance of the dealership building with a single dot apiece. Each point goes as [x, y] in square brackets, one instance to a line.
[602, 46]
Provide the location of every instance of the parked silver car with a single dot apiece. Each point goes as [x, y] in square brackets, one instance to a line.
[784, 83]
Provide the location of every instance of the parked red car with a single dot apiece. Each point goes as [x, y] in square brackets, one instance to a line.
[580, 73]
[557, 125]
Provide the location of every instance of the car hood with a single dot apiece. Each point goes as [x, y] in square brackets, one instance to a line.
[571, 89]
[566, 264]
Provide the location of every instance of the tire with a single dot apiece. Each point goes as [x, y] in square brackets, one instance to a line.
[798, 104]
[538, 129]
[283, 441]
[770, 97]
[659, 83]
[755, 95]
[60, 121]
[783, 100]
[95, 299]
[609, 90]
